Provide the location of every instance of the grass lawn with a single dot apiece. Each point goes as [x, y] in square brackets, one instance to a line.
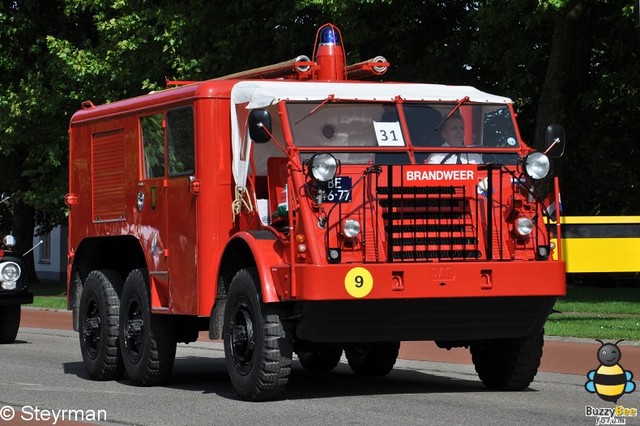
[49, 294]
[592, 312]
[597, 312]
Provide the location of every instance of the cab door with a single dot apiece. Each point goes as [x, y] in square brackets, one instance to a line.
[180, 208]
[168, 209]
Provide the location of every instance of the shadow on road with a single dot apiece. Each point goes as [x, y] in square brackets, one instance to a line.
[209, 376]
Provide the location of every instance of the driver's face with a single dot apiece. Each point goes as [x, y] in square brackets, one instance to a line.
[453, 132]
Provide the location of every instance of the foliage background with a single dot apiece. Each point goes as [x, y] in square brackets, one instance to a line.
[565, 61]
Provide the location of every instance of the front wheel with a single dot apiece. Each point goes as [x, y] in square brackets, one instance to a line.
[148, 342]
[257, 348]
[372, 359]
[508, 364]
[9, 323]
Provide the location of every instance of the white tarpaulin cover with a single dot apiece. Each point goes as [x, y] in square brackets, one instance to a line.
[247, 95]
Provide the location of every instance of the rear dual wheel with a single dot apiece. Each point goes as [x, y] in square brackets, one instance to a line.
[365, 359]
[147, 341]
[372, 359]
[320, 356]
[98, 325]
[118, 332]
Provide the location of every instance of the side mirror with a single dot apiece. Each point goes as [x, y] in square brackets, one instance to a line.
[259, 120]
[4, 197]
[554, 141]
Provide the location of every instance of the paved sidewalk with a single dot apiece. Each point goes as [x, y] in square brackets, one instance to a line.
[568, 356]
[560, 355]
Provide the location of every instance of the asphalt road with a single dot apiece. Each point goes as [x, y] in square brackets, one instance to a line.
[42, 375]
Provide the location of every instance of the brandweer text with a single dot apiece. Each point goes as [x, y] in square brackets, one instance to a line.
[413, 175]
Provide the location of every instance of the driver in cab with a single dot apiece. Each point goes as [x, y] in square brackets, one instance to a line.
[452, 134]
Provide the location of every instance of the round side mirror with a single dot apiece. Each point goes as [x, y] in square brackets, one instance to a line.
[259, 120]
[554, 141]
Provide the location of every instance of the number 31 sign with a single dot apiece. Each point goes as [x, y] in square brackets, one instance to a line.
[388, 133]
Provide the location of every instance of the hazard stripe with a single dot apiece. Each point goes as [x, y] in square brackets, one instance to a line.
[601, 230]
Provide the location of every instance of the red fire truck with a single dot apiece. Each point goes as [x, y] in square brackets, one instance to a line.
[298, 208]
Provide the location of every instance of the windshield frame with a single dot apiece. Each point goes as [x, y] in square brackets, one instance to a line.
[415, 151]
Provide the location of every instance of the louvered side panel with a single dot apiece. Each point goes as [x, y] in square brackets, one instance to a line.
[108, 176]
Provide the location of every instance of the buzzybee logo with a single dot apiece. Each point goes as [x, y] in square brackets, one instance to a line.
[610, 381]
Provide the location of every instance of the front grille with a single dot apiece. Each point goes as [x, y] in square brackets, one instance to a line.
[405, 220]
[418, 190]
[426, 223]
[423, 229]
[435, 254]
[432, 241]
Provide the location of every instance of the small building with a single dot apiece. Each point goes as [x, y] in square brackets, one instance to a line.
[50, 256]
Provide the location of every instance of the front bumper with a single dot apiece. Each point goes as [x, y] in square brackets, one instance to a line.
[408, 280]
[15, 297]
[445, 320]
[445, 301]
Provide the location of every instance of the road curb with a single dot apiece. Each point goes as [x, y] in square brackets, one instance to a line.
[568, 355]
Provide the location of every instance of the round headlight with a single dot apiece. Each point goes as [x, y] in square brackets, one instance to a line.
[351, 228]
[524, 226]
[537, 165]
[9, 241]
[323, 167]
[10, 271]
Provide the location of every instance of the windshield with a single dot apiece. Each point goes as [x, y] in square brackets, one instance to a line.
[376, 126]
[341, 124]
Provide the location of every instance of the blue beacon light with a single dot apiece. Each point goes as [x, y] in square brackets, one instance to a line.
[330, 36]
[329, 55]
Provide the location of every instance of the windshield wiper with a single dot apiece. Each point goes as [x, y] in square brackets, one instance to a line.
[320, 105]
[453, 111]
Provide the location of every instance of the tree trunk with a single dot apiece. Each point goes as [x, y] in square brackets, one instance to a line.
[23, 229]
[568, 67]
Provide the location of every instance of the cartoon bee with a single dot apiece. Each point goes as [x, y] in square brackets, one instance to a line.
[610, 381]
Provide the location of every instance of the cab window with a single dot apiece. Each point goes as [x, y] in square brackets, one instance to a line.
[152, 145]
[180, 141]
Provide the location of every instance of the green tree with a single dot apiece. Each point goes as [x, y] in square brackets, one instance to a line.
[33, 116]
[591, 86]
[138, 44]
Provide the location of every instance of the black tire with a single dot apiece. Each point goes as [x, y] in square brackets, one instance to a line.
[322, 357]
[372, 359]
[98, 325]
[147, 341]
[9, 323]
[257, 348]
[508, 364]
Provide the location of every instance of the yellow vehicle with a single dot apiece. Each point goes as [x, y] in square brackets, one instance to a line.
[599, 243]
